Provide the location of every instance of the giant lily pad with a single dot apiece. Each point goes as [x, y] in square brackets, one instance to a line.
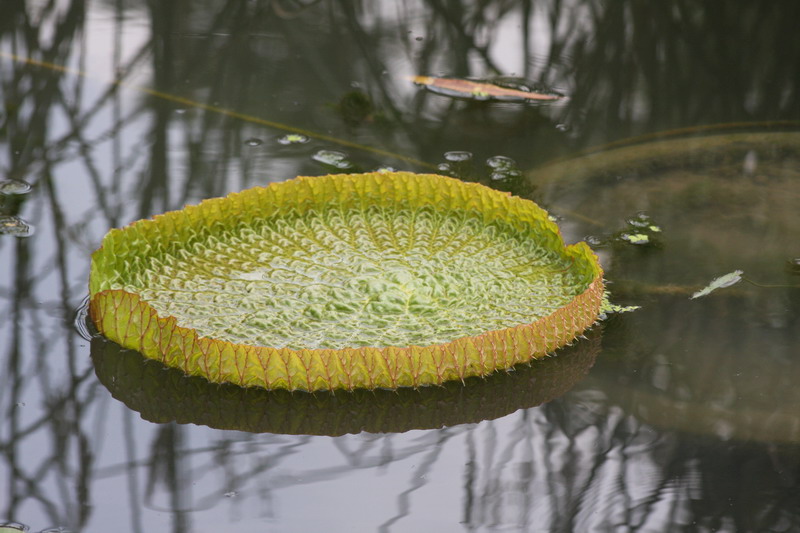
[380, 280]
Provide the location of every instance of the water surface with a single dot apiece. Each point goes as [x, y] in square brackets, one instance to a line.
[682, 416]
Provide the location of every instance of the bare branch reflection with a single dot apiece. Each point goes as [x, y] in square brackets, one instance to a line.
[621, 452]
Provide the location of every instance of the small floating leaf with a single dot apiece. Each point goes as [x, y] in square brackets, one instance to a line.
[480, 90]
[607, 308]
[721, 282]
[293, 138]
[635, 238]
[641, 232]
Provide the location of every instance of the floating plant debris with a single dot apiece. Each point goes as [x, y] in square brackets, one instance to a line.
[12, 225]
[641, 231]
[378, 280]
[293, 138]
[608, 308]
[14, 187]
[635, 238]
[485, 89]
[721, 282]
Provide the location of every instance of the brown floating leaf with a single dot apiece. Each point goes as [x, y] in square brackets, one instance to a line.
[478, 90]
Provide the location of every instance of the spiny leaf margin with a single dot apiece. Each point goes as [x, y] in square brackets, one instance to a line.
[130, 321]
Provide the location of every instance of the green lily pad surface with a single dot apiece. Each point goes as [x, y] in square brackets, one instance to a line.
[346, 281]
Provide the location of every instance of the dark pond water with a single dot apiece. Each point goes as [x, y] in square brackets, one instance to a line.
[681, 416]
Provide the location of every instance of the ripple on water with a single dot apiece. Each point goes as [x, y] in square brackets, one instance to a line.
[10, 187]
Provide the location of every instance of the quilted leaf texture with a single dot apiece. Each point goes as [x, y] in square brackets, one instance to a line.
[379, 280]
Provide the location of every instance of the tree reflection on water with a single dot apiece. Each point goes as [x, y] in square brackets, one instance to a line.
[100, 154]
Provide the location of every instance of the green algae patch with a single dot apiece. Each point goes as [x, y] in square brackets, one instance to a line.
[380, 280]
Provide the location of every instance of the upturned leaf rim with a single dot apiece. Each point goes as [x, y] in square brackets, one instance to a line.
[127, 319]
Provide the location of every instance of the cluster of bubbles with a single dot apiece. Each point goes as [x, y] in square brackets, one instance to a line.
[331, 159]
[503, 168]
[502, 172]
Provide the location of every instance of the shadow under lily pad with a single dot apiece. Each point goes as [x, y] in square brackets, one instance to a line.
[162, 394]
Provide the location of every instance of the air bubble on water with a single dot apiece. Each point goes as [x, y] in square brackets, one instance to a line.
[253, 141]
[332, 158]
[562, 127]
[503, 168]
[11, 225]
[458, 156]
[385, 169]
[501, 162]
[593, 240]
[640, 220]
[19, 404]
[444, 167]
[180, 111]
[293, 138]
[14, 187]
[419, 38]
[231, 494]
[58, 529]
